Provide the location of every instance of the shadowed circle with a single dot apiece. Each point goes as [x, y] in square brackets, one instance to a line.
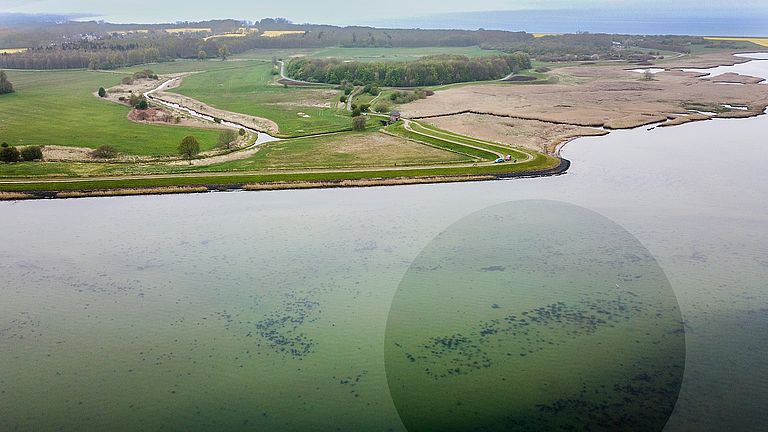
[534, 315]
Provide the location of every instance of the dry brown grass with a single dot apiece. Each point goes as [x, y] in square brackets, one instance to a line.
[606, 96]
[14, 196]
[532, 134]
[133, 191]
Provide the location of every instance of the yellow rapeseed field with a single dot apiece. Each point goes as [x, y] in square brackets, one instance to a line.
[12, 50]
[278, 33]
[758, 41]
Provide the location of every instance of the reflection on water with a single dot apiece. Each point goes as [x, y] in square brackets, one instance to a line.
[267, 311]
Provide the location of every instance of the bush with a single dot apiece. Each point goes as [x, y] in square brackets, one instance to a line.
[104, 152]
[343, 99]
[382, 108]
[142, 104]
[359, 122]
[226, 138]
[356, 112]
[9, 154]
[5, 85]
[32, 153]
[102, 92]
[241, 132]
[365, 107]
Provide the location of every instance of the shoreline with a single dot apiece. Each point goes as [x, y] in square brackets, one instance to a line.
[32, 194]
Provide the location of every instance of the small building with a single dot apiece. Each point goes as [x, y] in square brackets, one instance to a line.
[394, 116]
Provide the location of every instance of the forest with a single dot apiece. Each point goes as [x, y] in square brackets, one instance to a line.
[432, 70]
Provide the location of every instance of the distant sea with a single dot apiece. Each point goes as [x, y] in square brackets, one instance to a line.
[593, 21]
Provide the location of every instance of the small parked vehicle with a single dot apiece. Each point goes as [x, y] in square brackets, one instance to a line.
[499, 160]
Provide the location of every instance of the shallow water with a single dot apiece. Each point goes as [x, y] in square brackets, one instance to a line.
[268, 310]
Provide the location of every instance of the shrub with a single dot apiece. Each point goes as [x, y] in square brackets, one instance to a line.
[102, 92]
[356, 112]
[9, 154]
[241, 132]
[365, 107]
[104, 152]
[359, 122]
[5, 85]
[343, 98]
[32, 153]
[142, 104]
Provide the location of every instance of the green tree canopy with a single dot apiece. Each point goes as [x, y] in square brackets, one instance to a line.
[189, 148]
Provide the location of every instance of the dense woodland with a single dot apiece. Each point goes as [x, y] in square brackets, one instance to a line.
[99, 45]
[433, 70]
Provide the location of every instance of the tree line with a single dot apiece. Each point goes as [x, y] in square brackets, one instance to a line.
[101, 46]
[433, 70]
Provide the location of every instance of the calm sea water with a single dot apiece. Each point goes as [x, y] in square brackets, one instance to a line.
[652, 20]
[269, 310]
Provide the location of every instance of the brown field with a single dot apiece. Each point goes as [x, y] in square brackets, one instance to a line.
[597, 96]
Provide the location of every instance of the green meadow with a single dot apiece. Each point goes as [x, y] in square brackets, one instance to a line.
[59, 108]
[249, 87]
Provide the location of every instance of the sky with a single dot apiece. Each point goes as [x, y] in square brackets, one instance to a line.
[345, 12]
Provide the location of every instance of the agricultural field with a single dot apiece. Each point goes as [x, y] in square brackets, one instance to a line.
[762, 41]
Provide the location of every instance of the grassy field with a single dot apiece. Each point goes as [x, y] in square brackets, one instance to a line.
[336, 151]
[58, 108]
[250, 88]
[349, 150]
[539, 163]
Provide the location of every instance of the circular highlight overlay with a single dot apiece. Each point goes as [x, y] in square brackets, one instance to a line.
[534, 315]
